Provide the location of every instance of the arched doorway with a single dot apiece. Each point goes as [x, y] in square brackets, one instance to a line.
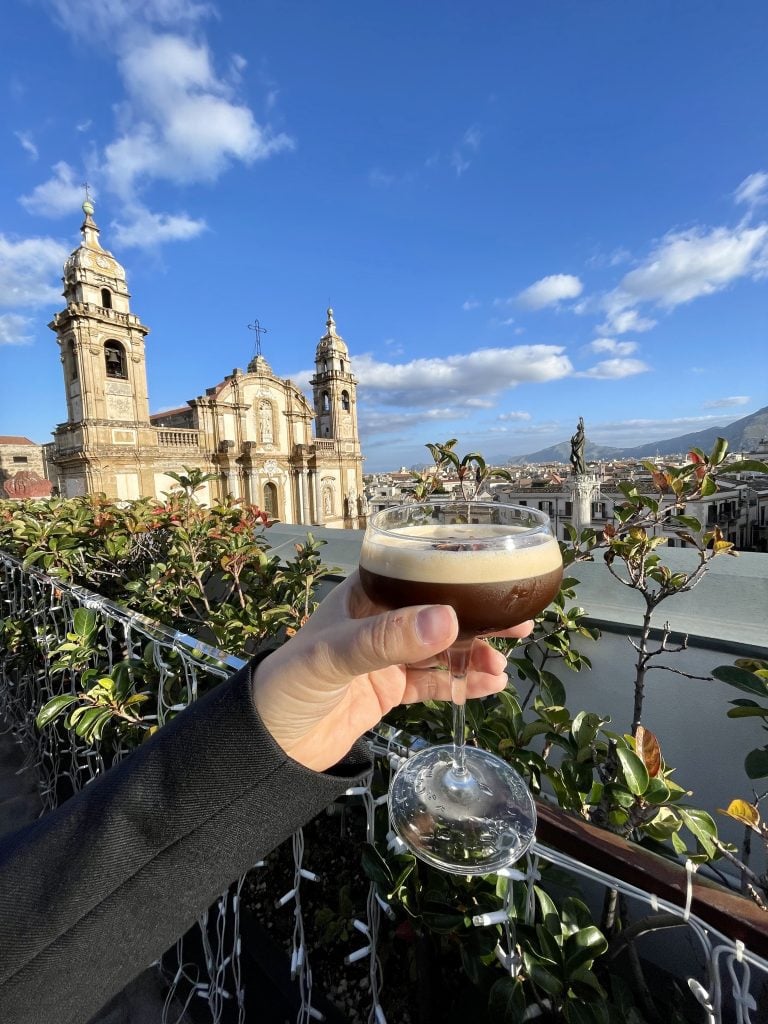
[270, 501]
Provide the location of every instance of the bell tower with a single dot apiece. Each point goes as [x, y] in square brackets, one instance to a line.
[334, 387]
[338, 460]
[99, 446]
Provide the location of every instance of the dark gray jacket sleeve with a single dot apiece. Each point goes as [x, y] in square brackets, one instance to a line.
[96, 890]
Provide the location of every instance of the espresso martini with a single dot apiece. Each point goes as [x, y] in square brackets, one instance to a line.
[492, 576]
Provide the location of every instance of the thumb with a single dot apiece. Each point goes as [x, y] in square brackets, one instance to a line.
[401, 636]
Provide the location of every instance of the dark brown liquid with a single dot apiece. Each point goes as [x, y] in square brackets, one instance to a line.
[480, 607]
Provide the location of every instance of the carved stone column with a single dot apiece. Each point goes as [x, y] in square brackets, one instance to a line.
[318, 497]
[252, 485]
[233, 480]
[300, 497]
[584, 488]
[306, 497]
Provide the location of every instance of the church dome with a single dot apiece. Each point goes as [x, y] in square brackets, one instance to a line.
[90, 255]
[331, 341]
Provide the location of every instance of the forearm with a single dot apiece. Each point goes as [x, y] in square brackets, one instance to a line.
[96, 890]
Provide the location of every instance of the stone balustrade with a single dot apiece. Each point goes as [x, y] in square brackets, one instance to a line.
[169, 437]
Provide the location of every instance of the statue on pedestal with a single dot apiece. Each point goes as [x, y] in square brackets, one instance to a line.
[577, 450]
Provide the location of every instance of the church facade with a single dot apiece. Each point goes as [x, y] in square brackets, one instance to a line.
[253, 430]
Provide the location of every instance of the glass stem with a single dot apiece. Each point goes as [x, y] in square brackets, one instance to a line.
[458, 666]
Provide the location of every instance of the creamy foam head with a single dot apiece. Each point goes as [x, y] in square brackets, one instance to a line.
[451, 561]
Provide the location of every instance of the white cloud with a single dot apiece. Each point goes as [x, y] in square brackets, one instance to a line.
[145, 229]
[181, 122]
[469, 145]
[14, 329]
[382, 179]
[472, 137]
[95, 19]
[516, 416]
[727, 403]
[689, 264]
[638, 431]
[373, 421]
[394, 346]
[621, 320]
[753, 191]
[60, 195]
[459, 162]
[610, 259]
[458, 378]
[466, 381]
[470, 304]
[26, 143]
[28, 270]
[83, 126]
[615, 369]
[616, 348]
[548, 291]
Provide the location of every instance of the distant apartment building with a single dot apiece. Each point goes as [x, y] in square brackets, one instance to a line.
[739, 509]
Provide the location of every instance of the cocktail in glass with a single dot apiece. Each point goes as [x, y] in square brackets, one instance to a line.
[462, 809]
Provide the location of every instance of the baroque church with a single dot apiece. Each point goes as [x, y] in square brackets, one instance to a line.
[253, 430]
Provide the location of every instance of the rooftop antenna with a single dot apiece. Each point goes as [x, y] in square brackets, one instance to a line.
[258, 330]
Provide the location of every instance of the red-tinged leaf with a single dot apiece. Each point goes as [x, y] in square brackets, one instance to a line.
[648, 749]
[661, 480]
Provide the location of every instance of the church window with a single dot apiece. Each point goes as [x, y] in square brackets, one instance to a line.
[326, 402]
[270, 500]
[72, 361]
[114, 357]
[341, 361]
[345, 401]
[325, 366]
[106, 298]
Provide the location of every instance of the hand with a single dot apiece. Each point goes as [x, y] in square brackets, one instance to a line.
[352, 663]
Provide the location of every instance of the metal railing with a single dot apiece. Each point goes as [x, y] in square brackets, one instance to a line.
[726, 976]
[49, 606]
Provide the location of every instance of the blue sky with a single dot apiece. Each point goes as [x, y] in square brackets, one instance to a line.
[521, 212]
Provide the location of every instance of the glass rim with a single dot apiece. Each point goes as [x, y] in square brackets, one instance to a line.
[543, 526]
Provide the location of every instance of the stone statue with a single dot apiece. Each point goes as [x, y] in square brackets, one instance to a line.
[577, 450]
[265, 423]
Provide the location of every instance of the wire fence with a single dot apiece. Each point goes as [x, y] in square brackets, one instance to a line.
[724, 977]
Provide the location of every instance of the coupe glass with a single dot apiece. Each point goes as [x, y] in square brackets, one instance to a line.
[459, 808]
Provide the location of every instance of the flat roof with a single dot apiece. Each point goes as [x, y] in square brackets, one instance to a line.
[729, 604]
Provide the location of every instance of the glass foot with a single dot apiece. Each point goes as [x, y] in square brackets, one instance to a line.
[469, 823]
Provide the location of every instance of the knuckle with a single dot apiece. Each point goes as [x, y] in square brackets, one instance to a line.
[379, 643]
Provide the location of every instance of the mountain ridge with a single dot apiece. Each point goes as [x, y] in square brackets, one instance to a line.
[741, 434]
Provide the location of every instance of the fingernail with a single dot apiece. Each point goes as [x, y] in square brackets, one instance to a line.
[433, 624]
